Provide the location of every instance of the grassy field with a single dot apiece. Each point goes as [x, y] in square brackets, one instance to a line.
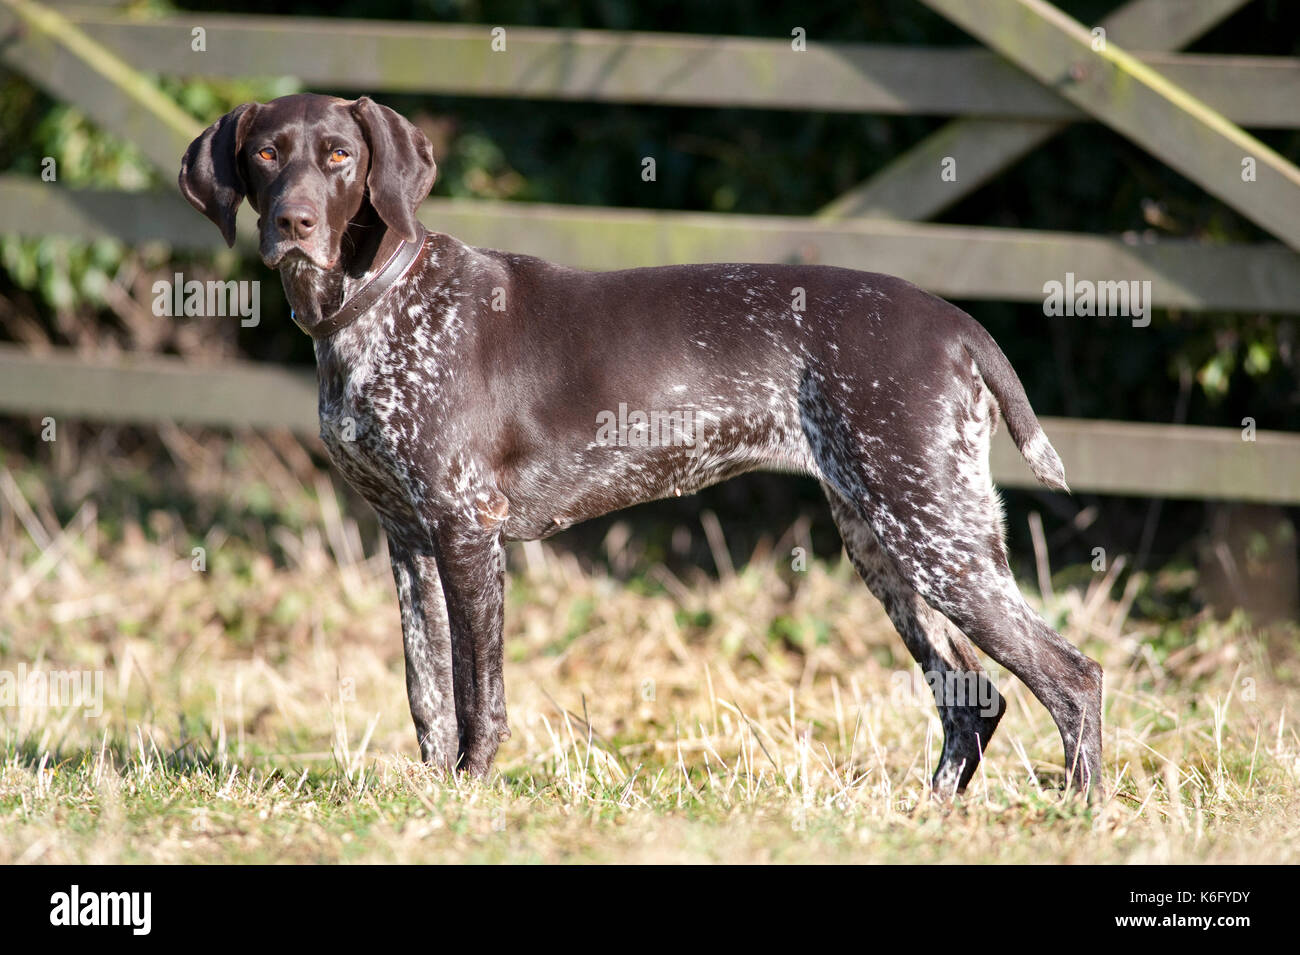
[254, 710]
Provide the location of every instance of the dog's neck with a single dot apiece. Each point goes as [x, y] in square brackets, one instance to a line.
[314, 292]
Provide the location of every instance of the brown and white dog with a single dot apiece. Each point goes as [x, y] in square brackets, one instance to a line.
[468, 394]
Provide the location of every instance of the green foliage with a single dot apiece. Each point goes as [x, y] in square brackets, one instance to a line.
[62, 273]
[85, 156]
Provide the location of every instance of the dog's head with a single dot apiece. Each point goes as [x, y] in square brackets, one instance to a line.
[308, 164]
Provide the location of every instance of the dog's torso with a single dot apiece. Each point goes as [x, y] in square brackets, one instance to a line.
[550, 395]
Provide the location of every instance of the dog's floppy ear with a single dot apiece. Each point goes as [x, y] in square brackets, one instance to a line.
[402, 169]
[210, 177]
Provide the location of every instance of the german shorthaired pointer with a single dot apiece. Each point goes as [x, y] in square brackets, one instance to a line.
[476, 397]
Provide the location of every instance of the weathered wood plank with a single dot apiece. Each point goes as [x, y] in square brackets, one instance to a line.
[910, 187]
[1166, 24]
[143, 389]
[1152, 460]
[674, 69]
[1108, 457]
[1249, 90]
[1140, 104]
[960, 262]
[953, 261]
[613, 66]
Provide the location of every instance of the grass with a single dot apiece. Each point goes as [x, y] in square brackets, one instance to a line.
[255, 711]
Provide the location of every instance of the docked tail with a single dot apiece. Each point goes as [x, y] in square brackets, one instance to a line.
[1022, 423]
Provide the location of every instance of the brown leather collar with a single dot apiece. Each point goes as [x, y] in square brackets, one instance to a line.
[398, 264]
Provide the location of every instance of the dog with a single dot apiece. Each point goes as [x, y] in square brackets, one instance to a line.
[475, 397]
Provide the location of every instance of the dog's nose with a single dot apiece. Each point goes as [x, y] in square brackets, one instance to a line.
[295, 220]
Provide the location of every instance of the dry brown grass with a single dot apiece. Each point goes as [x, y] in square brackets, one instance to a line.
[256, 711]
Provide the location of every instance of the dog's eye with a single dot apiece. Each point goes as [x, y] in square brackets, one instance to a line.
[267, 153]
[338, 155]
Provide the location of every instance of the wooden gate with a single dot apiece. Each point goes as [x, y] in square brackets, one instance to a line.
[1038, 72]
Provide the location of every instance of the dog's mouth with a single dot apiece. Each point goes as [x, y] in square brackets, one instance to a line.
[296, 255]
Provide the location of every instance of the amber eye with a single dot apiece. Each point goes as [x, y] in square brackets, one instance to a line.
[338, 155]
[266, 153]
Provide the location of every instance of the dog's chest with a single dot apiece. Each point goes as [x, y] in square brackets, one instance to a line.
[365, 428]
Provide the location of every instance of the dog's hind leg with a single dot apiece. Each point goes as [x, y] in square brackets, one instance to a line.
[924, 490]
[979, 595]
[969, 704]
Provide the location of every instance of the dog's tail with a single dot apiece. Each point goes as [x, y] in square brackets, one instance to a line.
[1022, 423]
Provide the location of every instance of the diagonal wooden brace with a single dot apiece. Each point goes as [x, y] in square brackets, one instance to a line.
[68, 64]
[910, 187]
[1140, 104]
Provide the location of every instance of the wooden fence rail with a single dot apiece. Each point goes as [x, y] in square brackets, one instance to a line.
[955, 261]
[665, 69]
[1106, 457]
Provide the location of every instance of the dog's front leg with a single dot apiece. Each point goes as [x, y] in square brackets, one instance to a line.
[426, 637]
[472, 561]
